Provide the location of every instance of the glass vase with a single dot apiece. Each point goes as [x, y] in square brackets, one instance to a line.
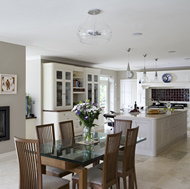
[88, 133]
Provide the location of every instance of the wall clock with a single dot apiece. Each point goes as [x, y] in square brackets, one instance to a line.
[166, 77]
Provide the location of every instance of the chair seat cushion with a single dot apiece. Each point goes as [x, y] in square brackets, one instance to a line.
[50, 182]
[55, 170]
[99, 166]
[120, 164]
[94, 176]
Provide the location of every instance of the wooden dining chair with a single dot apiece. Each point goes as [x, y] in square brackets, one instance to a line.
[45, 134]
[126, 167]
[31, 177]
[122, 125]
[67, 132]
[107, 177]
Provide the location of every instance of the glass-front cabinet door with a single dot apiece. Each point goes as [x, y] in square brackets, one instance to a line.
[63, 89]
[96, 92]
[93, 88]
[68, 88]
[59, 88]
[90, 92]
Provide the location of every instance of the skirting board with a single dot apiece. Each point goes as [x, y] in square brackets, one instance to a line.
[7, 156]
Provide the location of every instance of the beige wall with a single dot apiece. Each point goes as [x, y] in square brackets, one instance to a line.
[12, 61]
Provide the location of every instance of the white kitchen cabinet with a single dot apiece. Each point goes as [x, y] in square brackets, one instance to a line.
[92, 85]
[57, 86]
[56, 117]
[128, 93]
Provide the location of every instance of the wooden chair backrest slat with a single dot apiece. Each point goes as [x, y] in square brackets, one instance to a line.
[67, 132]
[129, 149]
[110, 158]
[28, 152]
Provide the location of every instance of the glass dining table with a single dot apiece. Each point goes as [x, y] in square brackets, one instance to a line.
[74, 155]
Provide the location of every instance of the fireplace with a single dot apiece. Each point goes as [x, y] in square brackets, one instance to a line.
[4, 123]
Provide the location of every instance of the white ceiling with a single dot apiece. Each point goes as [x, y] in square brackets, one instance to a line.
[49, 28]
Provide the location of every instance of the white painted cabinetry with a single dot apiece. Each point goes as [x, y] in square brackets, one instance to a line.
[128, 93]
[160, 131]
[57, 86]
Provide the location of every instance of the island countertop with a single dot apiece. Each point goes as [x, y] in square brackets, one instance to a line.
[160, 130]
[145, 115]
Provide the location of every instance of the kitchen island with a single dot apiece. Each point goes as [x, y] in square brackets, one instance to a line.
[160, 130]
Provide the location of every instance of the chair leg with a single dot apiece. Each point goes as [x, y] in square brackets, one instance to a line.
[131, 181]
[135, 180]
[118, 182]
[74, 182]
[124, 182]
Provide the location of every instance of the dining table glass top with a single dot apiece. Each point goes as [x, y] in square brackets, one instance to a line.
[77, 151]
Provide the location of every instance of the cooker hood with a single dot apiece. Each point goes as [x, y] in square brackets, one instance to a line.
[185, 84]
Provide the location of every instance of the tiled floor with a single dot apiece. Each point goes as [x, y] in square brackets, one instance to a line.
[169, 170]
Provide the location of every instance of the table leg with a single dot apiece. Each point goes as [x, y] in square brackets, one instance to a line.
[83, 178]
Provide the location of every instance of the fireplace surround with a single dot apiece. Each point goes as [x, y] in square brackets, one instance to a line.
[4, 123]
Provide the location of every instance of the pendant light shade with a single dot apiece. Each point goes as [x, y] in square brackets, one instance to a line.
[129, 73]
[94, 31]
[145, 78]
[156, 73]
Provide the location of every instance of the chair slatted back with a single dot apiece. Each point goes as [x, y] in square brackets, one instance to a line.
[129, 149]
[110, 159]
[122, 125]
[45, 133]
[67, 132]
[28, 152]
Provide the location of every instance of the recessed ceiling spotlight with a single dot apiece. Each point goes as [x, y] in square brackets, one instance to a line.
[187, 59]
[137, 34]
[171, 51]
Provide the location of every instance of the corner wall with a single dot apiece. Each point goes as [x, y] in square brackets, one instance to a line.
[34, 86]
[12, 61]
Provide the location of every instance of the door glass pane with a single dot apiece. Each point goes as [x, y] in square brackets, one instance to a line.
[89, 77]
[68, 94]
[59, 74]
[59, 94]
[104, 98]
[95, 78]
[90, 92]
[96, 93]
[68, 75]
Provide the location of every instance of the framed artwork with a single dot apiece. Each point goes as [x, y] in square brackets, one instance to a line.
[8, 84]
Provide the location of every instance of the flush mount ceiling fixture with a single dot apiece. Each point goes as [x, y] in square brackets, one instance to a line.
[94, 31]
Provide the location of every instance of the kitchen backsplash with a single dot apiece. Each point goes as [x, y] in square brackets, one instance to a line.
[171, 94]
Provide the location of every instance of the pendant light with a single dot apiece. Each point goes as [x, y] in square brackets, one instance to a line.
[156, 73]
[145, 78]
[94, 31]
[129, 73]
